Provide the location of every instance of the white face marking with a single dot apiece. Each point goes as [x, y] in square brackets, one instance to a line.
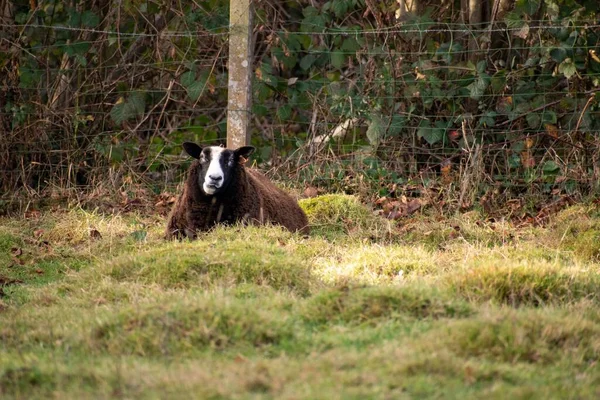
[214, 177]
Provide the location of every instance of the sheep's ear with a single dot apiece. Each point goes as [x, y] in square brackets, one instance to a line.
[244, 151]
[192, 149]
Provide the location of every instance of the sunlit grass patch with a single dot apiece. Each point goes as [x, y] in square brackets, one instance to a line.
[374, 263]
[333, 215]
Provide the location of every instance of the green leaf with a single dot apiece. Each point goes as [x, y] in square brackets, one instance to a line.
[284, 112]
[137, 103]
[550, 167]
[488, 119]
[90, 19]
[338, 59]
[196, 89]
[339, 7]
[117, 113]
[498, 81]
[549, 117]
[259, 110]
[430, 134]
[396, 125]
[567, 68]
[527, 6]
[351, 45]
[74, 18]
[139, 235]
[77, 48]
[558, 54]
[307, 61]
[125, 110]
[310, 12]
[375, 130]
[533, 120]
[478, 87]
[187, 78]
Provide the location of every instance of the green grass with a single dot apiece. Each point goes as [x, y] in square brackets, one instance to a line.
[101, 306]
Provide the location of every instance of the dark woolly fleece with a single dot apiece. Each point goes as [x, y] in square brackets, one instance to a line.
[248, 193]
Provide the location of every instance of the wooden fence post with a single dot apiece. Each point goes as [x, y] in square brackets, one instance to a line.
[239, 94]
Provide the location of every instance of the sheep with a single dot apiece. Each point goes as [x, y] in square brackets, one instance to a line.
[220, 189]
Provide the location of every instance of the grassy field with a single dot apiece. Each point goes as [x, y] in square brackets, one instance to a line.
[100, 306]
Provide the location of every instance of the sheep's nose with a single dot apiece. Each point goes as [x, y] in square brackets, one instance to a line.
[215, 178]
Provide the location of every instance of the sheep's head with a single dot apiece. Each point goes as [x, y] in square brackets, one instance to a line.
[217, 165]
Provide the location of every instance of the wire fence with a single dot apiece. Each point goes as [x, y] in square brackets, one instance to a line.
[340, 101]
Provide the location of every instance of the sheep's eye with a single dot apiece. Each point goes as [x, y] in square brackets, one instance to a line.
[203, 157]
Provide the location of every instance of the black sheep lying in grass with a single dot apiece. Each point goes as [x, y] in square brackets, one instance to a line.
[220, 189]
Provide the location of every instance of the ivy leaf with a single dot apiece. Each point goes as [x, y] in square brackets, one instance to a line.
[567, 68]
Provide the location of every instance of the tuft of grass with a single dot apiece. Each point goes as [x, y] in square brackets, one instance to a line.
[189, 325]
[212, 263]
[530, 284]
[577, 229]
[529, 336]
[332, 215]
[370, 304]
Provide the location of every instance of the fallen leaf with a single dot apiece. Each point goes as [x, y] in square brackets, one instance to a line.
[38, 233]
[418, 75]
[311, 191]
[381, 200]
[413, 206]
[454, 135]
[16, 251]
[94, 234]
[552, 130]
[32, 214]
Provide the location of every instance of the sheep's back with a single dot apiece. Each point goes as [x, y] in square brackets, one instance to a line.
[278, 206]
